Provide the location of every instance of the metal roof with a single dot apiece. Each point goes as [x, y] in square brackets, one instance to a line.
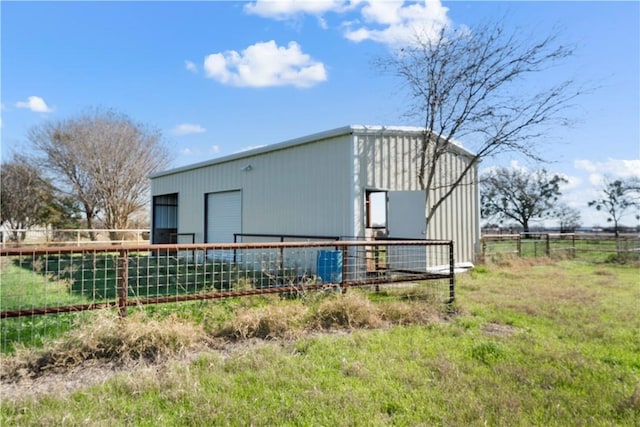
[332, 133]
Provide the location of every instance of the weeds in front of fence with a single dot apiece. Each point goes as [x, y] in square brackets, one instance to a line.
[103, 336]
[147, 336]
[39, 287]
[533, 343]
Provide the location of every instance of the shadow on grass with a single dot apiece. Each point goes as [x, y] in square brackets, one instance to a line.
[95, 276]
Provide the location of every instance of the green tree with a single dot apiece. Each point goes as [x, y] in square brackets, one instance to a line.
[617, 197]
[519, 195]
[26, 198]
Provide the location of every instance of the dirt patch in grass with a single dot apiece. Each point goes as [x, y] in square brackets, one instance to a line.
[499, 329]
[94, 372]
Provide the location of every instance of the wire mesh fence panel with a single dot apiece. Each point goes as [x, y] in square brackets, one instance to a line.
[51, 282]
[43, 289]
[594, 248]
[500, 246]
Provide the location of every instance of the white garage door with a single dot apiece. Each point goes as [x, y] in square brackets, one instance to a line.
[224, 216]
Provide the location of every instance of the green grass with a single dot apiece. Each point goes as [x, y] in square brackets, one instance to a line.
[94, 276]
[591, 250]
[550, 344]
[21, 288]
[91, 277]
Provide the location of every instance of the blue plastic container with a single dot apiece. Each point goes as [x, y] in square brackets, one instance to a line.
[329, 266]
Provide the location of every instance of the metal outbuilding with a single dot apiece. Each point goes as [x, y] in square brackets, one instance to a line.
[353, 182]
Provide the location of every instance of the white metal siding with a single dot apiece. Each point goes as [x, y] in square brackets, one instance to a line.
[297, 190]
[388, 160]
[318, 187]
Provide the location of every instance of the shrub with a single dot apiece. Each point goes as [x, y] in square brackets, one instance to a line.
[346, 311]
[271, 321]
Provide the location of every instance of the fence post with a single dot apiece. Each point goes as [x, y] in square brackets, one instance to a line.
[548, 245]
[344, 269]
[452, 290]
[519, 244]
[122, 282]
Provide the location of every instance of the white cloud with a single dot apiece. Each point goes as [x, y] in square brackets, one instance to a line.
[394, 22]
[190, 66]
[186, 151]
[286, 9]
[265, 64]
[573, 182]
[215, 149]
[391, 22]
[187, 129]
[35, 104]
[613, 168]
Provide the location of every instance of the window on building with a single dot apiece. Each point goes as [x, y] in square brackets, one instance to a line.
[165, 218]
[376, 209]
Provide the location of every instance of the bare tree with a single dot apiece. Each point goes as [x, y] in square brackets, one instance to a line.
[568, 217]
[63, 149]
[25, 196]
[104, 159]
[616, 198]
[466, 85]
[518, 195]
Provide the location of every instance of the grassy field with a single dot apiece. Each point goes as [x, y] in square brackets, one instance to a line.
[586, 248]
[527, 343]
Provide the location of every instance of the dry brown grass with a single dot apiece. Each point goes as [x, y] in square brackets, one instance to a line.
[346, 311]
[271, 321]
[410, 313]
[107, 338]
[112, 340]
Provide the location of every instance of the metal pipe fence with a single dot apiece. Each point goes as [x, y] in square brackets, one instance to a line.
[59, 280]
[36, 237]
[568, 245]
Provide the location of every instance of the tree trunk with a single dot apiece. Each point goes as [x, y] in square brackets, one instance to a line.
[90, 213]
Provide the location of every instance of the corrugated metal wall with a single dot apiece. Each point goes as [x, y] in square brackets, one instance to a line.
[318, 187]
[388, 160]
[297, 190]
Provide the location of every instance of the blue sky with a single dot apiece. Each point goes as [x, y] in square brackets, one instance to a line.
[221, 77]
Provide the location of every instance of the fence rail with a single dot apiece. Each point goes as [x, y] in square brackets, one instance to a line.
[37, 237]
[593, 247]
[57, 280]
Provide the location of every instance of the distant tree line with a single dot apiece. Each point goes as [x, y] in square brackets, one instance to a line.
[517, 196]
